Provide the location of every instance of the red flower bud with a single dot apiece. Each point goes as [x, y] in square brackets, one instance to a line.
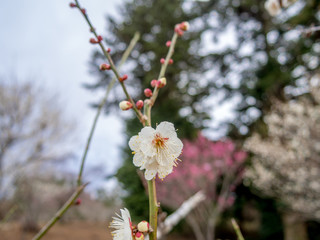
[154, 83]
[161, 82]
[77, 202]
[148, 92]
[139, 104]
[178, 30]
[104, 67]
[168, 43]
[72, 5]
[184, 26]
[170, 61]
[93, 41]
[99, 38]
[108, 50]
[83, 10]
[162, 60]
[124, 77]
[139, 236]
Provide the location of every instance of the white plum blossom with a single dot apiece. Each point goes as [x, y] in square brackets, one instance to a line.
[287, 3]
[273, 7]
[122, 225]
[156, 150]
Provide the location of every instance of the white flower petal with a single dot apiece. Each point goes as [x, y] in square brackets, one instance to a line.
[148, 149]
[147, 133]
[134, 143]
[164, 171]
[122, 226]
[139, 159]
[150, 173]
[166, 129]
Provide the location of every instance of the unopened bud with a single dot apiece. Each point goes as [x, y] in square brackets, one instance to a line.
[93, 41]
[125, 105]
[162, 60]
[83, 10]
[123, 78]
[162, 82]
[77, 202]
[148, 92]
[104, 67]
[168, 43]
[143, 226]
[72, 5]
[171, 61]
[139, 236]
[139, 104]
[154, 83]
[108, 50]
[178, 30]
[184, 26]
[100, 38]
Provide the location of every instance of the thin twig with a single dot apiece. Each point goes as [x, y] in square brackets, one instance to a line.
[60, 213]
[113, 67]
[237, 229]
[9, 214]
[164, 67]
[102, 103]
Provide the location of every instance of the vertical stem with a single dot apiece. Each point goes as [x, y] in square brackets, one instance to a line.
[153, 208]
[153, 205]
[237, 229]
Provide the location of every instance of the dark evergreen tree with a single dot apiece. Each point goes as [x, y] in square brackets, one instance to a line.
[180, 101]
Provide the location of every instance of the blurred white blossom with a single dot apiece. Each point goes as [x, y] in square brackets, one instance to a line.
[286, 164]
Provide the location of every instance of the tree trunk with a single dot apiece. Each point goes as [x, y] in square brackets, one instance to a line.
[294, 226]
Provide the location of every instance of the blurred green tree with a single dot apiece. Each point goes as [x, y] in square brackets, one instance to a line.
[179, 101]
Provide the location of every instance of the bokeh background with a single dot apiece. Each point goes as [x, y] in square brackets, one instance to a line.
[243, 92]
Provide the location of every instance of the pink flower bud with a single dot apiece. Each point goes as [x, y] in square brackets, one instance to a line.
[108, 50]
[83, 10]
[154, 83]
[139, 236]
[184, 26]
[161, 82]
[171, 61]
[162, 60]
[123, 78]
[178, 30]
[93, 41]
[125, 105]
[72, 5]
[77, 202]
[168, 43]
[143, 226]
[104, 67]
[99, 38]
[139, 104]
[148, 92]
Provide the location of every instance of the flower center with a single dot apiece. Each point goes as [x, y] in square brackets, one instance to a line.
[159, 142]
